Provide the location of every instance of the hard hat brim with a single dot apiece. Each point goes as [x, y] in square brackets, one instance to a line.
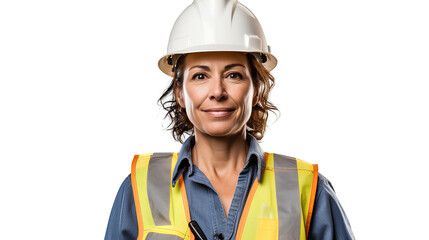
[167, 68]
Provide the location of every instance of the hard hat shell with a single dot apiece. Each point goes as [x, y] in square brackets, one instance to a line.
[216, 26]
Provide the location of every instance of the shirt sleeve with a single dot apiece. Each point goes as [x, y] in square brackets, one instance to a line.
[329, 221]
[123, 219]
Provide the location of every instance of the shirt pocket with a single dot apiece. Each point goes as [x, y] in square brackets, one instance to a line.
[267, 229]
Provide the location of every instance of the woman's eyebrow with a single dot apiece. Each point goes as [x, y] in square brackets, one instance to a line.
[227, 67]
[201, 66]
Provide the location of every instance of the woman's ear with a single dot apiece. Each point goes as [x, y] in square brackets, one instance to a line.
[179, 97]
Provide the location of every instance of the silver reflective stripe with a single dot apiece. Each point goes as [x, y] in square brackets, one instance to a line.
[158, 188]
[158, 236]
[288, 200]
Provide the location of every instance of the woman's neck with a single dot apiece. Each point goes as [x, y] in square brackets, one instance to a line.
[220, 156]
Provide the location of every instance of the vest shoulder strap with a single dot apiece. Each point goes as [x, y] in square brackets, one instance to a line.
[160, 208]
[278, 206]
[308, 176]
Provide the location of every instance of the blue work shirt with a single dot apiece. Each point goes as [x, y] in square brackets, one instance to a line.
[329, 220]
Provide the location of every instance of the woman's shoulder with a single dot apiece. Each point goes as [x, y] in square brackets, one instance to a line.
[126, 184]
[125, 192]
[329, 219]
[123, 218]
[324, 186]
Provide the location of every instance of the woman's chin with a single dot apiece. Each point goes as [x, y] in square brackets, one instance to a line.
[221, 131]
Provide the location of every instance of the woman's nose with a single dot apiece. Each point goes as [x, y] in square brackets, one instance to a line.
[217, 89]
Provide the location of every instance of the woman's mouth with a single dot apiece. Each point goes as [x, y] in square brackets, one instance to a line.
[219, 112]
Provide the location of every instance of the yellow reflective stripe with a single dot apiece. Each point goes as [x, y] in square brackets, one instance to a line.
[139, 184]
[263, 206]
[312, 197]
[136, 195]
[246, 209]
[177, 206]
[305, 177]
[161, 236]
[167, 230]
[189, 235]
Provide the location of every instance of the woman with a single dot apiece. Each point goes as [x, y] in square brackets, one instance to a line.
[221, 182]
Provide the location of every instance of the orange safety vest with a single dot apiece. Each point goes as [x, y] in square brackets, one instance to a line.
[278, 207]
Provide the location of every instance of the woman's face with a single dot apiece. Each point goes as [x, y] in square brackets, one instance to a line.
[217, 92]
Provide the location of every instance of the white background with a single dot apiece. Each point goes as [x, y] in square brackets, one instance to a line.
[79, 85]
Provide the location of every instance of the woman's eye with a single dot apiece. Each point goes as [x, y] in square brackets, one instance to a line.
[235, 75]
[199, 76]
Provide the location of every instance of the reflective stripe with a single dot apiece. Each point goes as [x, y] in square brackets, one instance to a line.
[246, 209]
[179, 210]
[157, 236]
[312, 197]
[288, 200]
[188, 233]
[139, 183]
[307, 175]
[158, 187]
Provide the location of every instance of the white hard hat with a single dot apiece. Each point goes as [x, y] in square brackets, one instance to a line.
[214, 26]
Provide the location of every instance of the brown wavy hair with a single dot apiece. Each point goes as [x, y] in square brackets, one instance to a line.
[263, 82]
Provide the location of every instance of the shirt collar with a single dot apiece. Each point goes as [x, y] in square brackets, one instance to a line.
[185, 158]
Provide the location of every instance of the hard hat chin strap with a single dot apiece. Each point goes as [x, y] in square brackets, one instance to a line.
[262, 58]
[172, 61]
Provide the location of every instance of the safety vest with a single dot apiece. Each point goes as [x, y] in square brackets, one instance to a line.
[278, 207]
